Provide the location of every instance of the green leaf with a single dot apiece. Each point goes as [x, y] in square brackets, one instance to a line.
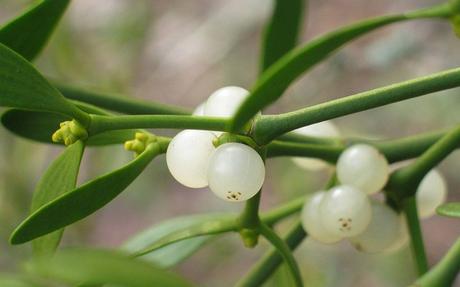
[75, 266]
[206, 226]
[13, 280]
[83, 201]
[28, 33]
[39, 126]
[282, 31]
[119, 103]
[59, 178]
[276, 79]
[451, 209]
[172, 254]
[22, 86]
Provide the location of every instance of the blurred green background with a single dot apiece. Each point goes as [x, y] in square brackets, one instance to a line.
[179, 52]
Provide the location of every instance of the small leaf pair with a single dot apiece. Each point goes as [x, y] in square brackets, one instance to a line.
[77, 204]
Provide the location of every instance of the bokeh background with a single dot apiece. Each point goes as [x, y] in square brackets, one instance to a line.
[179, 52]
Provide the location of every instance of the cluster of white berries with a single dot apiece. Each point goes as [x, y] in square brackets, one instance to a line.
[233, 171]
[236, 172]
[347, 212]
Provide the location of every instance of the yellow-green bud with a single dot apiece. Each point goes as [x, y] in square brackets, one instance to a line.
[139, 143]
[69, 132]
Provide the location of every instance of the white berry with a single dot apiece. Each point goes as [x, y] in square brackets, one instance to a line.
[188, 157]
[345, 211]
[225, 101]
[199, 111]
[431, 193]
[311, 220]
[403, 236]
[383, 230]
[236, 172]
[322, 129]
[364, 167]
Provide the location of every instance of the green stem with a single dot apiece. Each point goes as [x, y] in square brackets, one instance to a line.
[260, 272]
[413, 223]
[269, 127]
[406, 180]
[273, 216]
[249, 217]
[119, 103]
[445, 272]
[394, 149]
[105, 123]
[284, 250]
[276, 79]
[328, 153]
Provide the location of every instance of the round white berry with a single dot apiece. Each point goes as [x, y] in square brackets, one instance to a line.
[199, 111]
[345, 211]
[188, 157]
[225, 101]
[322, 129]
[311, 222]
[431, 193]
[403, 236]
[364, 167]
[236, 172]
[383, 230]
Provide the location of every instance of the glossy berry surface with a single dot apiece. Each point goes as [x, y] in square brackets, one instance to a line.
[311, 221]
[236, 172]
[225, 101]
[188, 157]
[199, 110]
[382, 232]
[363, 167]
[345, 211]
[431, 192]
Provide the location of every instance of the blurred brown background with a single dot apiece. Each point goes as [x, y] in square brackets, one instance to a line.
[179, 52]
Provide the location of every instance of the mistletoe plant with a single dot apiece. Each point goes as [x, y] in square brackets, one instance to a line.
[224, 145]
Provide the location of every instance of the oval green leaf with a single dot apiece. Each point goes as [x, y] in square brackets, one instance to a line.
[39, 126]
[75, 266]
[83, 201]
[451, 209]
[119, 103]
[59, 178]
[13, 280]
[282, 30]
[206, 226]
[277, 78]
[28, 33]
[172, 254]
[23, 87]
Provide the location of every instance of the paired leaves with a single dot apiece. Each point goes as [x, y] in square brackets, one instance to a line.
[58, 179]
[451, 209]
[75, 266]
[172, 254]
[83, 201]
[22, 86]
[28, 33]
[282, 31]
